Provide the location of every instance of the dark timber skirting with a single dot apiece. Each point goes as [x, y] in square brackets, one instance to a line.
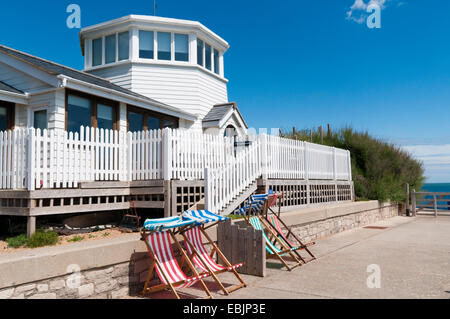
[88, 197]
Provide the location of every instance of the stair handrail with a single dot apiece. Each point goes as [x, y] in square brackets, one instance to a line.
[225, 183]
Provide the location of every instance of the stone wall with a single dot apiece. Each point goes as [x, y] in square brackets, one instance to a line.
[318, 229]
[112, 282]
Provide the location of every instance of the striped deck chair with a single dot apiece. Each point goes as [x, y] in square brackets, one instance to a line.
[204, 260]
[169, 272]
[278, 225]
[255, 204]
[271, 248]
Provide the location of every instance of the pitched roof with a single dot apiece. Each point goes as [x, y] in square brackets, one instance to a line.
[9, 88]
[57, 69]
[219, 111]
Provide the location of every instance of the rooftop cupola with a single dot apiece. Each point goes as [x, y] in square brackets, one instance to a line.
[178, 62]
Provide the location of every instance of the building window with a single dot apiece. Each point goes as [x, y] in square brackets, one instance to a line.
[200, 46]
[135, 121]
[153, 123]
[110, 49]
[88, 110]
[97, 51]
[146, 44]
[124, 46]
[6, 116]
[164, 46]
[142, 120]
[105, 116]
[40, 119]
[78, 113]
[216, 62]
[181, 47]
[208, 57]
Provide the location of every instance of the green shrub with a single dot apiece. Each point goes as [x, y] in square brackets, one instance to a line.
[42, 238]
[380, 170]
[76, 239]
[17, 242]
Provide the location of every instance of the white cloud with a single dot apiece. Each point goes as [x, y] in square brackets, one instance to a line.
[436, 160]
[358, 12]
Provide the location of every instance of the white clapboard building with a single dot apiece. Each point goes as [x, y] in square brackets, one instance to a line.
[140, 72]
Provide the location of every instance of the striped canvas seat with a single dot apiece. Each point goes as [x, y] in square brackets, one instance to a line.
[276, 223]
[256, 202]
[195, 237]
[168, 266]
[161, 224]
[203, 216]
[270, 247]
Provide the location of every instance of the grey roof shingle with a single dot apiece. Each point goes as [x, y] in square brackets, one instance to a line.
[219, 111]
[57, 69]
[9, 88]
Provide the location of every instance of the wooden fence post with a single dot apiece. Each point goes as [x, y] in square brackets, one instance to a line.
[129, 156]
[306, 168]
[167, 154]
[31, 159]
[407, 200]
[263, 145]
[435, 206]
[208, 190]
[413, 201]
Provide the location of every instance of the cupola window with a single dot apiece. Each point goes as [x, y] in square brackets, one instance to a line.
[146, 44]
[208, 57]
[110, 49]
[181, 47]
[164, 46]
[200, 47]
[97, 51]
[124, 46]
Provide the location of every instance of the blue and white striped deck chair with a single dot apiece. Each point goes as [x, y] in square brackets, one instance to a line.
[271, 248]
[255, 204]
[160, 224]
[202, 217]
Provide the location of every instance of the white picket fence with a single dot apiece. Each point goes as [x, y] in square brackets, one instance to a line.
[224, 183]
[290, 159]
[32, 159]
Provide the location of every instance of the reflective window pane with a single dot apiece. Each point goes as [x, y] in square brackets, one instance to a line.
[3, 118]
[216, 62]
[164, 46]
[78, 113]
[199, 52]
[97, 49]
[146, 44]
[40, 119]
[208, 57]
[135, 122]
[124, 46]
[169, 124]
[153, 123]
[110, 49]
[105, 116]
[181, 47]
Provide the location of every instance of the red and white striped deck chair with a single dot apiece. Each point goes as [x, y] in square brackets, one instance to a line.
[204, 260]
[278, 225]
[169, 272]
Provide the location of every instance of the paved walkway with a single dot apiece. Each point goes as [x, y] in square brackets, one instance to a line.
[413, 255]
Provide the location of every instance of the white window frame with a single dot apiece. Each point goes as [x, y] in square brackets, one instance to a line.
[33, 109]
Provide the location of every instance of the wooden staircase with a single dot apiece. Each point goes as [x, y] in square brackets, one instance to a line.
[233, 204]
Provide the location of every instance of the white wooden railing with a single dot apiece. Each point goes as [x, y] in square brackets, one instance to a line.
[34, 159]
[225, 183]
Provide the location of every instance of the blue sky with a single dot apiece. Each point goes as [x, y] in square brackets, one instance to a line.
[302, 63]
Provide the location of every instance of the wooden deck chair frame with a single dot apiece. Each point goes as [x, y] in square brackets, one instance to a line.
[285, 237]
[274, 239]
[220, 255]
[156, 263]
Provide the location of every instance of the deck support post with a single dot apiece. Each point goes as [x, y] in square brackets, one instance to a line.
[31, 225]
[167, 198]
[413, 201]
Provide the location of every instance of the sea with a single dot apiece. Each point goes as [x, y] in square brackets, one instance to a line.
[436, 187]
